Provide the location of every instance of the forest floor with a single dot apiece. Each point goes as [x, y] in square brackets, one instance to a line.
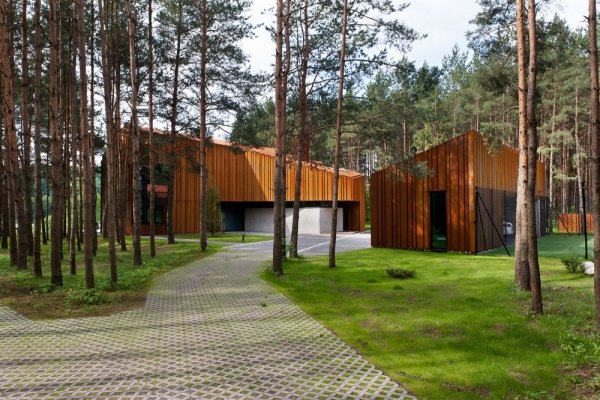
[36, 298]
[459, 329]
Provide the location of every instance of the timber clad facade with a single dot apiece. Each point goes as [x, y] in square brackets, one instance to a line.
[467, 203]
[243, 179]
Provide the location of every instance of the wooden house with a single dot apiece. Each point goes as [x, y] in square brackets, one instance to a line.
[467, 202]
[243, 180]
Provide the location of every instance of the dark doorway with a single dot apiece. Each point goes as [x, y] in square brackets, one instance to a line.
[437, 218]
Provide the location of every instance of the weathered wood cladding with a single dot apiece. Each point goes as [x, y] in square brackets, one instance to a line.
[573, 223]
[246, 176]
[400, 214]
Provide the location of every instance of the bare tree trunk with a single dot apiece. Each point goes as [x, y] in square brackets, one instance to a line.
[12, 158]
[92, 134]
[280, 127]
[565, 172]
[338, 138]
[88, 159]
[521, 242]
[532, 255]
[74, 163]
[551, 157]
[173, 138]
[26, 127]
[578, 165]
[57, 156]
[203, 109]
[151, 134]
[4, 227]
[303, 133]
[110, 146]
[595, 150]
[135, 138]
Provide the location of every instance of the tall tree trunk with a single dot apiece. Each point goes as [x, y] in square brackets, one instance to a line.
[12, 159]
[135, 137]
[173, 137]
[532, 136]
[151, 134]
[521, 250]
[4, 227]
[86, 155]
[565, 173]
[57, 156]
[74, 163]
[280, 127]
[595, 150]
[551, 157]
[578, 165]
[110, 133]
[338, 138]
[203, 110]
[91, 136]
[303, 133]
[26, 127]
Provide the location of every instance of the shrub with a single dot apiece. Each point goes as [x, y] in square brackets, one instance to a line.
[45, 288]
[399, 273]
[88, 297]
[571, 263]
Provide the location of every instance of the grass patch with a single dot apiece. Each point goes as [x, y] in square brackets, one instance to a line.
[556, 245]
[459, 329]
[36, 298]
[227, 237]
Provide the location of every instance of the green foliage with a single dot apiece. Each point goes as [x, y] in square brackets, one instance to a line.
[214, 216]
[46, 287]
[88, 297]
[400, 273]
[572, 263]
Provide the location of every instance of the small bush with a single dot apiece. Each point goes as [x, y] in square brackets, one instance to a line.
[45, 288]
[399, 273]
[571, 263]
[88, 297]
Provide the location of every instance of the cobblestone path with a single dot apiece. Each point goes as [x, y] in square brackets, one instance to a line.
[210, 330]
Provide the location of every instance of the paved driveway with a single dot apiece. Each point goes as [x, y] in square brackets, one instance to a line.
[210, 330]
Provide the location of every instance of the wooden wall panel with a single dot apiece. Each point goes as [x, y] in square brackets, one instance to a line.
[459, 167]
[573, 223]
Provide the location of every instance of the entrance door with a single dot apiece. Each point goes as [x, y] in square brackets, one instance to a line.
[437, 218]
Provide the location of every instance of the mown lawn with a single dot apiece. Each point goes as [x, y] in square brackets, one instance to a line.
[37, 299]
[228, 237]
[459, 329]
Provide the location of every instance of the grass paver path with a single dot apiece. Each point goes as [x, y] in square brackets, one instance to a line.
[210, 330]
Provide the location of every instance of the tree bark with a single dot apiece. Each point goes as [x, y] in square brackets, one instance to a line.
[152, 205]
[26, 127]
[87, 155]
[135, 137]
[338, 138]
[303, 130]
[521, 242]
[595, 149]
[73, 125]
[57, 156]
[110, 133]
[532, 137]
[173, 137]
[203, 109]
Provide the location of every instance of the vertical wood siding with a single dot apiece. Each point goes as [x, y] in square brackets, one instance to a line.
[400, 214]
[246, 176]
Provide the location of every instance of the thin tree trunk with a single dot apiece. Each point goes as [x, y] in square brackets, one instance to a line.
[595, 150]
[303, 134]
[26, 127]
[135, 137]
[74, 197]
[91, 136]
[151, 134]
[173, 137]
[280, 126]
[110, 146]
[4, 228]
[338, 138]
[203, 110]
[57, 156]
[532, 251]
[88, 159]
[521, 250]
[578, 165]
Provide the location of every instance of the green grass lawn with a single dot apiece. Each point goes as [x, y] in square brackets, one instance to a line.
[557, 245]
[459, 329]
[36, 298]
[228, 237]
